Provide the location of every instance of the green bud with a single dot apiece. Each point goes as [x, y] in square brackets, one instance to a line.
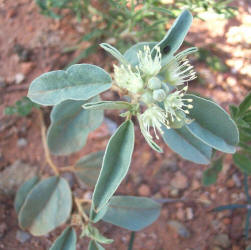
[180, 120]
[147, 97]
[154, 83]
[159, 95]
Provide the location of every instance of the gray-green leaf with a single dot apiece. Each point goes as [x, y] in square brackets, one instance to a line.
[66, 241]
[210, 175]
[115, 165]
[23, 191]
[107, 105]
[70, 126]
[93, 245]
[213, 125]
[88, 168]
[78, 82]
[184, 143]
[46, 207]
[132, 213]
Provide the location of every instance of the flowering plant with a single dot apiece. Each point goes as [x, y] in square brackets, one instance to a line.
[153, 80]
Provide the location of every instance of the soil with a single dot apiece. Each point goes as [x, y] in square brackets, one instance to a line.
[31, 44]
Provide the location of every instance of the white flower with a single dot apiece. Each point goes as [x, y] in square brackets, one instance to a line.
[175, 102]
[152, 117]
[147, 64]
[127, 79]
[179, 70]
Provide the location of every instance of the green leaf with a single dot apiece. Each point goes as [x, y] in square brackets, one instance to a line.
[23, 191]
[114, 52]
[213, 125]
[115, 165]
[70, 126]
[210, 175]
[176, 34]
[66, 241]
[245, 105]
[107, 105]
[88, 168]
[184, 143]
[132, 213]
[93, 245]
[94, 234]
[78, 82]
[46, 207]
[243, 163]
[131, 54]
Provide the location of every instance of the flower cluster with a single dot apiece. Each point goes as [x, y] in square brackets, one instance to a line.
[164, 107]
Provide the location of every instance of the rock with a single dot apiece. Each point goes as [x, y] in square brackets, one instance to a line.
[179, 228]
[170, 164]
[222, 240]
[179, 181]
[22, 142]
[144, 190]
[195, 185]
[189, 213]
[27, 67]
[174, 192]
[22, 236]
[15, 175]
[19, 78]
[3, 229]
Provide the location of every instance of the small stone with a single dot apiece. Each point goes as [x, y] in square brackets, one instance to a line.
[3, 229]
[164, 191]
[179, 181]
[22, 236]
[22, 142]
[230, 183]
[19, 78]
[237, 180]
[195, 185]
[189, 213]
[174, 193]
[144, 190]
[179, 228]
[180, 214]
[222, 240]
[27, 67]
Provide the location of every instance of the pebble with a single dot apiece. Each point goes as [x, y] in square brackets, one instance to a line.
[22, 142]
[180, 214]
[189, 213]
[165, 191]
[22, 236]
[222, 240]
[179, 228]
[19, 78]
[144, 190]
[195, 185]
[27, 67]
[237, 180]
[179, 181]
[174, 193]
[170, 164]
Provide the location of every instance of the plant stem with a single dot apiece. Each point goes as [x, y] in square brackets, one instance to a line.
[130, 246]
[46, 149]
[80, 209]
[67, 169]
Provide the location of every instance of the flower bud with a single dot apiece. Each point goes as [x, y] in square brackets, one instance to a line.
[179, 121]
[154, 83]
[147, 97]
[159, 95]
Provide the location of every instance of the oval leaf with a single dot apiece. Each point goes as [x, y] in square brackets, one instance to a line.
[23, 191]
[107, 105]
[210, 175]
[115, 165]
[184, 143]
[66, 241]
[47, 206]
[93, 245]
[88, 168]
[78, 82]
[243, 163]
[175, 35]
[213, 125]
[132, 213]
[70, 126]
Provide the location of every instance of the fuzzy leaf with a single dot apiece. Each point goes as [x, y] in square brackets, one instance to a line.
[184, 143]
[66, 241]
[213, 125]
[107, 105]
[70, 126]
[46, 207]
[78, 82]
[115, 165]
[132, 213]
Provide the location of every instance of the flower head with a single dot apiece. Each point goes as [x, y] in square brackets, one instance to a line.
[127, 79]
[175, 103]
[152, 117]
[148, 65]
[179, 70]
